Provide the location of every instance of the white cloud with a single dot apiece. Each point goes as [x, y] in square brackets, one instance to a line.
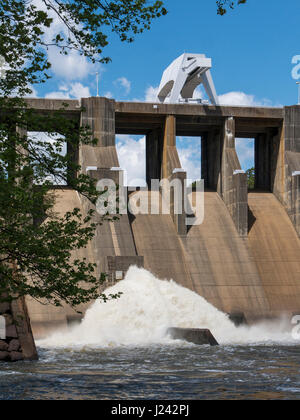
[72, 66]
[70, 91]
[189, 151]
[242, 99]
[132, 158]
[33, 94]
[151, 94]
[79, 91]
[108, 95]
[124, 83]
[57, 95]
[245, 152]
[199, 93]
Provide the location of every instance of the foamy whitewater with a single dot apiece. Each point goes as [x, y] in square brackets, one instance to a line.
[148, 307]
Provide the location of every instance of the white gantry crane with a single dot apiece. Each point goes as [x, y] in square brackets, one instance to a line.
[181, 78]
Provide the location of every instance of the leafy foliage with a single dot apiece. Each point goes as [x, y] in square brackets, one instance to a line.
[87, 25]
[223, 5]
[251, 178]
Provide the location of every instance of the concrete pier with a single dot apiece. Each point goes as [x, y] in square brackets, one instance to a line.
[200, 337]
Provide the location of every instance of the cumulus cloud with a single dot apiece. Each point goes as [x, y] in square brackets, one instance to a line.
[124, 83]
[72, 66]
[199, 93]
[132, 158]
[189, 151]
[33, 94]
[242, 99]
[245, 152]
[79, 91]
[70, 91]
[151, 94]
[108, 95]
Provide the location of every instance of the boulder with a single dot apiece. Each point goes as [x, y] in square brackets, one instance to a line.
[11, 332]
[16, 356]
[3, 346]
[14, 345]
[4, 356]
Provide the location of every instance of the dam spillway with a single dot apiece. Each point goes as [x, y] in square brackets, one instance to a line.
[245, 256]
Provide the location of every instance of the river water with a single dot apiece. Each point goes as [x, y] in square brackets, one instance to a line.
[121, 351]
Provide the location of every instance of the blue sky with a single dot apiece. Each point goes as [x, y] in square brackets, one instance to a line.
[251, 48]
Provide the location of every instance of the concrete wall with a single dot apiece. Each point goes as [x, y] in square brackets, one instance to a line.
[156, 238]
[222, 268]
[233, 183]
[275, 247]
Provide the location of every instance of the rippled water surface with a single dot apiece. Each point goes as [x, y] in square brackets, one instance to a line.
[157, 372]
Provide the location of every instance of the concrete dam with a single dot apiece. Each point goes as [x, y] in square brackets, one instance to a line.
[245, 256]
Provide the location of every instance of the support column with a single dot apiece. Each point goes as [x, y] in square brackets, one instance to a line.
[154, 147]
[295, 210]
[263, 162]
[170, 158]
[292, 163]
[73, 159]
[278, 164]
[170, 162]
[234, 181]
[99, 116]
[211, 157]
[178, 202]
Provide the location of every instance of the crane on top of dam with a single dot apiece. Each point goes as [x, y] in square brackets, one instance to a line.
[183, 76]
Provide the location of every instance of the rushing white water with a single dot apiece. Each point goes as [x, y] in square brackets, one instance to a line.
[147, 308]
